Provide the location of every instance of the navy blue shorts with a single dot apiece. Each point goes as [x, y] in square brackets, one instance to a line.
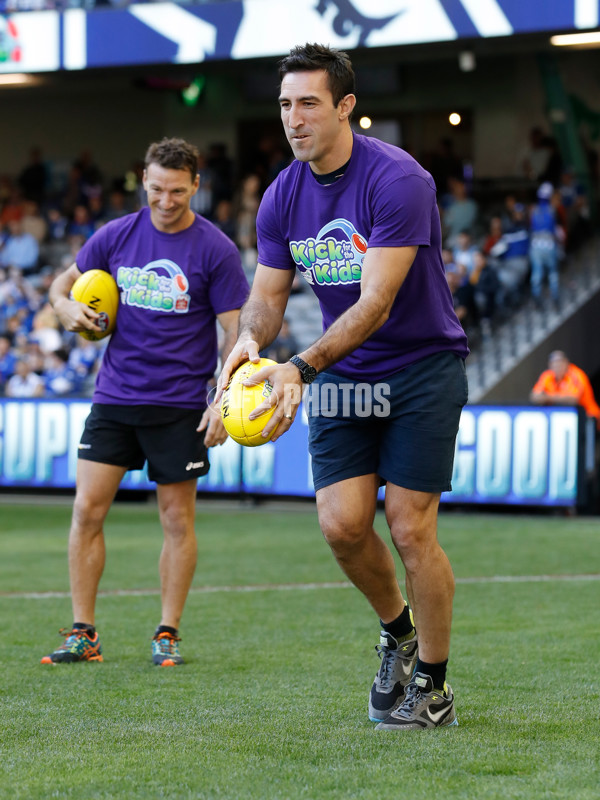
[402, 428]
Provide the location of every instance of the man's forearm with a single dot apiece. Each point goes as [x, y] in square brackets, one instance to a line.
[347, 333]
[259, 321]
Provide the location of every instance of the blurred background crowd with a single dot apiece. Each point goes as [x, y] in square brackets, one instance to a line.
[499, 254]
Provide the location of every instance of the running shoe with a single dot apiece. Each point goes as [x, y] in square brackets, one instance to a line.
[398, 661]
[423, 707]
[78, 646]
[165, 650]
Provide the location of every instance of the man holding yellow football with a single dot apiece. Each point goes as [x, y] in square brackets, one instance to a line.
[386, 381]
[177, 276]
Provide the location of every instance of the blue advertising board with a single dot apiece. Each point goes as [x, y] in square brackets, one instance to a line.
[504, 455]
[178, 33]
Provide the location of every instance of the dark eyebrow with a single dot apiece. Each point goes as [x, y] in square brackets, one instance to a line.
[311, 97]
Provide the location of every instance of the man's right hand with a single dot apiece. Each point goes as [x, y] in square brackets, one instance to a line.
[244, 350]
[75, 316]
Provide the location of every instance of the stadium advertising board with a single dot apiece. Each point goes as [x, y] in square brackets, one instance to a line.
[504, 455]
[161, 33]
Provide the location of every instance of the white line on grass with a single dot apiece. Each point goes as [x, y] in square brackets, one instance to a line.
[300, 587]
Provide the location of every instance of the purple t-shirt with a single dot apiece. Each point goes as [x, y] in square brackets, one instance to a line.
[384, 199]
[172, 285]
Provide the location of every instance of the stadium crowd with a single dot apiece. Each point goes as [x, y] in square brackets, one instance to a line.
[497, 254]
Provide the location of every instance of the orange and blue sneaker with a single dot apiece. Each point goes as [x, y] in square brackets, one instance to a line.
[79, 645]
[165, 649]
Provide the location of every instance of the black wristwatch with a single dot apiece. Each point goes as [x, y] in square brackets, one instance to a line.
[307, 372]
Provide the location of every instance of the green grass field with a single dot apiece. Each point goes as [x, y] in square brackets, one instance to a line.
[271, 703]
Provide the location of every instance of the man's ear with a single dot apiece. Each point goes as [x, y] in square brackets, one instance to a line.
[346, 106]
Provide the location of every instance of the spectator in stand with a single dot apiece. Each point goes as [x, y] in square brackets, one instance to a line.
[90, 176]
[576, 206]
[493, 235]
[12, 208]
[224, 218]
[45, 330]
[57, 224]
[33, 180]
[96, 211]
[461, 213]
[33, 222]
[544, 246]
[463, 254]
[564, 384]
[202, 202]
[534, 158]
[221, 168]
[247, 203]
[83, 360]
[463, 297]
[20, 249]
[485, 286]
[445, 165]
[30, 350]
[510, 258]
[8, 360]
[554, 164]
[24, 383]
[82, 225]
[60, 380]
[116, 206]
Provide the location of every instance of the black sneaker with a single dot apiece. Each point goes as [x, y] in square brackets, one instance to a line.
[398, 661]
[423, 707]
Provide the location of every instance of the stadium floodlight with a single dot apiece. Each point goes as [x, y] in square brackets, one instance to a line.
[17, 79]
[586, 39]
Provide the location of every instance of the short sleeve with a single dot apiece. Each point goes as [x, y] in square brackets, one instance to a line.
[94, 254]
[273, 249]
[228, 287]
[402, 212]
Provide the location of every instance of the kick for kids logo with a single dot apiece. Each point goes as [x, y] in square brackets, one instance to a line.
[160, 285]
[327, 260]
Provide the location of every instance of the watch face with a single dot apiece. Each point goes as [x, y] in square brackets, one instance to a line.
[307, 372]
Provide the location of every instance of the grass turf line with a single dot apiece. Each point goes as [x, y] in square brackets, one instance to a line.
[272, 701]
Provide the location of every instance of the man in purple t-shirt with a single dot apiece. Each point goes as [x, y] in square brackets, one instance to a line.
[177, 276]
[358, 218]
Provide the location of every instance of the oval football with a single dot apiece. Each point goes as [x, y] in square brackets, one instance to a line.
[98, 290]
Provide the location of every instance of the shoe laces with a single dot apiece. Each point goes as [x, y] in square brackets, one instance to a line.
[412, 696]
[74, 633]
[167, 643]
[387, 655]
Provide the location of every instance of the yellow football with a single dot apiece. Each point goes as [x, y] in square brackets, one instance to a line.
[98, 290]
[239, 400]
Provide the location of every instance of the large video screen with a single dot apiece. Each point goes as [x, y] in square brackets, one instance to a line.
[504, 455]
[180, 33]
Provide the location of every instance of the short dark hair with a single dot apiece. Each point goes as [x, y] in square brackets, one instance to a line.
[173, 154]
[313, 57]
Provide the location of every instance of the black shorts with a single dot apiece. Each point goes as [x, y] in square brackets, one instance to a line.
[402, 428]
[128, 436]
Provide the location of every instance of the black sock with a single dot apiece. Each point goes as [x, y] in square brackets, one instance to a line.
[165, 629]
[86, 627]
[401, 626]
[437, 672]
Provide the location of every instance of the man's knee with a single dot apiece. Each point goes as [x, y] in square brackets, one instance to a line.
[89, 513]
[414, 536]
[342, 535]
